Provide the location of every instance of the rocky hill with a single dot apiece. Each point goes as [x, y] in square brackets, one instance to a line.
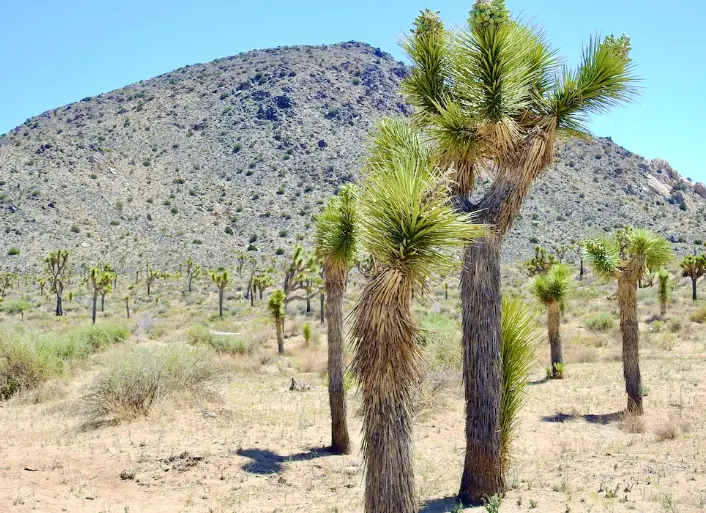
[243, 151]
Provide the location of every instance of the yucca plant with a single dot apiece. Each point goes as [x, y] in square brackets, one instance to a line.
[57, 267]
[275, 306]
[336, 243]
[7, 280]
[220, 279]
[693, 266]
[626, 258]
[192, 271]
[552, 289]
[409, 228]
[494, 98]
[519, 330]
[663, 291]
[100, 279]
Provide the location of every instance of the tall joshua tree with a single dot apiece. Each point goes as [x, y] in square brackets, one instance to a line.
[663, 291]
[100, 279]
[57, 267]
[220, 279]
[552, 289]
[276, 308]
[694, 267]
[408, 226]
[336, 243]
[493, 98]
[192, 271]
[625, 259]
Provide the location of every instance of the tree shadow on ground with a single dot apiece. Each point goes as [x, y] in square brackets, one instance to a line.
[268, 462]
[602, 418]
[440, 505]
[540, 381]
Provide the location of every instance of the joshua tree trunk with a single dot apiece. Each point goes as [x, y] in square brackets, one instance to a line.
[335, 288]
[102, 301]
[279, 328]
[446, 290]
[308, 304]
[627, 295]
[59, 300]
[553, 322]
[127, 307]
[387, 364]
[480, 294]
[322, 300]
[663, 307]
[581, 269]
[137, 276]
[693, 289]
[251, 289]
[220, 303]
[149, 286]
[260, 292]
[190, 280]
[93, 310]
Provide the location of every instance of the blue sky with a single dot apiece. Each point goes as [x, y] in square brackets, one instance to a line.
[53, 52]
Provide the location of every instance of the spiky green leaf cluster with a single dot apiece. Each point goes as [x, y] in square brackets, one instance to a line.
[693, 266]
[663, 285]
[275, 305]
[519, 332]
[553, 285]
[408, 223]
[488, 13]
[220, 278]
[336, 237]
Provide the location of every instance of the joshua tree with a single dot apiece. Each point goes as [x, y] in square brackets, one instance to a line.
[263, 280]
[540, 263]
[151, 276]
[7, 279]
[41, 283]
[625, 259]
[493, 98]
[276, 308]
[57, 266]
[298, 275]
[663, 291]
[192, 271]
[101, 280]
[336, 244]
[694, 267]
[127, 305]
[552, 289]
[220, 278]
[580, 249]
[560, 250]
[241, 257]
[409, 228]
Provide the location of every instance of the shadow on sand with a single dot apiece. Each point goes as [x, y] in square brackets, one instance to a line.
[268, 462]
[603, 418]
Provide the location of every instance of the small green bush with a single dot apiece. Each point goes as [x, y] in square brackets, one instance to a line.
[17, 306]
[227, 344]
[306, 332]
[601, 321]
[13, 252]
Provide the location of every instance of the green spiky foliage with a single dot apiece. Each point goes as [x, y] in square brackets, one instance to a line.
[263, 280]
[519, 336]
[552, 289]
[56, 265]
[7, 280]
[275, 307]
[626, 258]
[694, 267]
[540, 263]
[493, 97]
[411, 231]
[241, 257]
[663, 291]
[336, 243]
[192, 271]
[41, 283]
[221, 279]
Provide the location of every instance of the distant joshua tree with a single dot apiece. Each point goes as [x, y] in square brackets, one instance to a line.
[100, 279]
[127, 305]
[57, 267]
[276, 308]
[7, 280]
[241, 258]
[220, 278]
[336, 242]
[663, 291]
[580, 250]
[540, 263]
[694, 267]
[192, 271]
[41, 283]
[625, 259]
[151, 276]
[552, 289]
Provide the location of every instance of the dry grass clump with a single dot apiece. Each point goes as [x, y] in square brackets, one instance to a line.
[632, 424]
[699, 316]
[224, 344]
[133, 381]
[668, 430]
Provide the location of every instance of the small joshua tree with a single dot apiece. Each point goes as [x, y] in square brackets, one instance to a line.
[151, 276]
[298, 274]
[241, 258]
[192, 271]
[663, 291]
[540, 263]
[57, 267]
[276, 308]
[263, 280]
[7, 280]
[41, 283]
[625, 259]
[220, 278]
[100, 279]
[580, 250]
[693, 266]
[552, 289]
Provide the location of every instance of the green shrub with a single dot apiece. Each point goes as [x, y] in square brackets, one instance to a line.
[699, 316]
[13, 252]
[136, 380]
[201, 335]
[17, 306]
[306, 332]
[601, 321]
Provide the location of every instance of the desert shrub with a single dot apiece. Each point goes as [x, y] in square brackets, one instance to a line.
[674, 325]
[601, 321]
[699, 316]
[14, 307]
[199, 334]
[13, 252]
[306, 332]
[136, 380]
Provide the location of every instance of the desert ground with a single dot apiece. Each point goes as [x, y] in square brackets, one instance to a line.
[242, 440]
